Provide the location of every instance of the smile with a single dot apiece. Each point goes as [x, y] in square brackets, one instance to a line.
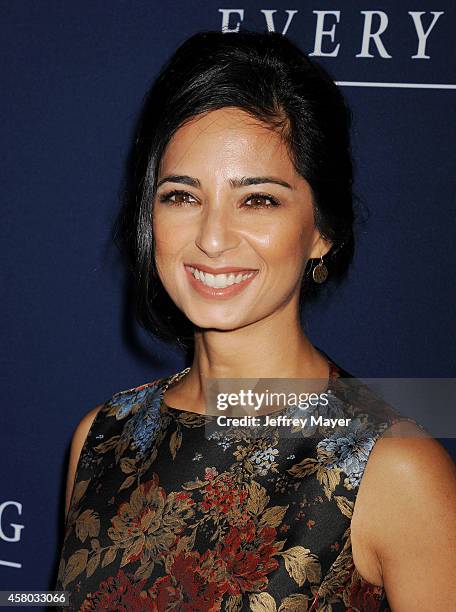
[219, 281]
[223, 285]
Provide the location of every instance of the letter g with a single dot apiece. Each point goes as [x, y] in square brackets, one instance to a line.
[17, 528]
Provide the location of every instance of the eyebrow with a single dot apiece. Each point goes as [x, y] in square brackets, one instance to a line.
[235, 183]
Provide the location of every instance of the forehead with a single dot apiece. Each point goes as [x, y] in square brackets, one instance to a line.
[227, 136]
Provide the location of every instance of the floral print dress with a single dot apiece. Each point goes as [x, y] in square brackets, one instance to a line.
[165, 517]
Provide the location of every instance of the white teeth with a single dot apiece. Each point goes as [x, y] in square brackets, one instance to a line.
[219, 281]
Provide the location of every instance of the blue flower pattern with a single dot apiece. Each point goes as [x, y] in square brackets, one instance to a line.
[127, 400]
[350, 450]
[145, 422]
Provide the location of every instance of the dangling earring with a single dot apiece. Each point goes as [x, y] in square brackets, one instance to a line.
[320, 272]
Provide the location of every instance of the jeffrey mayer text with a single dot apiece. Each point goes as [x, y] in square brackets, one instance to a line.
[280, 421]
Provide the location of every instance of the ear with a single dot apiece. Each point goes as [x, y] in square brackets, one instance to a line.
[320, 246]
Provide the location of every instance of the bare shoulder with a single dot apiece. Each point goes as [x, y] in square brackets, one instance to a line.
[406, 518]
[406, 458]
[79, 436]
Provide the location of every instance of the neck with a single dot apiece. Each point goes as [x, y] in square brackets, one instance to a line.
[259, 350]
[273, 347]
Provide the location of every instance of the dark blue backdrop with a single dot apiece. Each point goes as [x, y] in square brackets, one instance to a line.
[73, 78]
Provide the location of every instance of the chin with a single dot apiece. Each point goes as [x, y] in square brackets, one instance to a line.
[216, 323]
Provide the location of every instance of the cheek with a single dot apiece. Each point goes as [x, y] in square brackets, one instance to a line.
[165, 249]
[169, 236]
[286, 244]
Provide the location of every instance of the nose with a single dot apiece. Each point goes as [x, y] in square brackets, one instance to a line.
[216, 232]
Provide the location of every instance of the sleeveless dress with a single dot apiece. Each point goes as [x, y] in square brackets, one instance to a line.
[164, 517]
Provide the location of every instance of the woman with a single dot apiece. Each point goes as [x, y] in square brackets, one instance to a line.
[242, 207]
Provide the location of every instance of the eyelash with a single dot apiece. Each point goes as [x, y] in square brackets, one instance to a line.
[166, 197]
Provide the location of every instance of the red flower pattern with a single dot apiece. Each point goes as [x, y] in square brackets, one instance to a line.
[248, 557]
[116, 594]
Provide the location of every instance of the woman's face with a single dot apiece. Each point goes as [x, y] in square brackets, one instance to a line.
[228, 196]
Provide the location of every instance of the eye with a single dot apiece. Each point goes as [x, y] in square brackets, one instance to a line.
[259, 199]
[176, 197]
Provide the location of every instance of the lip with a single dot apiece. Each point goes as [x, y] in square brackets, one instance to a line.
[219, 292]
[221, 270]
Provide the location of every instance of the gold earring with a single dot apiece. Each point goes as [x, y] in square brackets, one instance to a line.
[320, 272]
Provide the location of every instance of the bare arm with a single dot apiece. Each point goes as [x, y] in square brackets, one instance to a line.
[413, 522]
[77, 442]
